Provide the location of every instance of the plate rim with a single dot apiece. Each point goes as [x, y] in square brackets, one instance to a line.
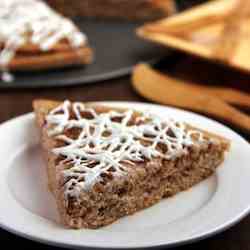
[189, 240]
[82, 80]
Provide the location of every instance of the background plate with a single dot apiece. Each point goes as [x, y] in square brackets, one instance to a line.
[116, 49]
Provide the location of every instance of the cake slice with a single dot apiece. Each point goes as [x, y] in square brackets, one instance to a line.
[123, 9]
[34, 37]
[104, 163]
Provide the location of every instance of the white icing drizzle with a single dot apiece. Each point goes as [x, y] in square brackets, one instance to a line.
[104, 143]
[32, 21]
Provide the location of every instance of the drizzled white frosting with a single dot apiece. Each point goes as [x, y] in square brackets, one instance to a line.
[32, 21]
[105, 143]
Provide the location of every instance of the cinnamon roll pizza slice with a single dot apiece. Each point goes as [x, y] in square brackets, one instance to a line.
[104, 163]
[35, 37]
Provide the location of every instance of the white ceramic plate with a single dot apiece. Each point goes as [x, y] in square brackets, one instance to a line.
[28, 209]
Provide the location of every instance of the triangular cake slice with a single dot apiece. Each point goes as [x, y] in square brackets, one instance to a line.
[105, 162]
[35, 37]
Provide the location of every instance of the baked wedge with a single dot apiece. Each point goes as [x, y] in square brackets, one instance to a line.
[34, 37]
[104, 163]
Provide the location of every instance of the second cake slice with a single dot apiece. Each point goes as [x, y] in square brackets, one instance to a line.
[35, 37]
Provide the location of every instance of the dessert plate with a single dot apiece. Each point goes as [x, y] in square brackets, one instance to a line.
[29, 210]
